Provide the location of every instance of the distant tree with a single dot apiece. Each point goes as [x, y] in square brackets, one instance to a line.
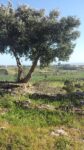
[29, 33]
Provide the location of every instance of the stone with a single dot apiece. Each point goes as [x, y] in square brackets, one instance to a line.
[59, 132]
[2, 128]
[45, 107]
[3, 111]
[82, 102]
[24, 104]
[79, 111]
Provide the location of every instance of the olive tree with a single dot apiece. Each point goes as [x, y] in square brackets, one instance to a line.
[30, 33]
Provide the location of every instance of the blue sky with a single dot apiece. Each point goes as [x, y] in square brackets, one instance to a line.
[66, 8]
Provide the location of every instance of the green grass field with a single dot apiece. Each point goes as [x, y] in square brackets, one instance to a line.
[34, 128]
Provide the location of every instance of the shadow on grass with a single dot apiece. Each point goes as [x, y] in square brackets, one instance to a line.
[75, 98]
[8, 86]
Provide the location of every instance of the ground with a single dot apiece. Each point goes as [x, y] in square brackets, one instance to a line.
[43, 115]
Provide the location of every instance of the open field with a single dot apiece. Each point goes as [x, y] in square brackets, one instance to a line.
[48, 115]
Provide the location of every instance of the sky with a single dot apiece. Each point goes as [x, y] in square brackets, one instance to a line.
[66, 8]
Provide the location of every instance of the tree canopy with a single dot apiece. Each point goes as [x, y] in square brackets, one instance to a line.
[30, 33]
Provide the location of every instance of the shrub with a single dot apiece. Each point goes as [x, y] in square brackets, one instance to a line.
[69, 86]
[3, 71]
[63, 143]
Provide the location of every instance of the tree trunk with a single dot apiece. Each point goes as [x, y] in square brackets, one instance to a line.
[28, 76]
[20, 68]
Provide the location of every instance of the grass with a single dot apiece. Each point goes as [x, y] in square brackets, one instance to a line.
[30, 129]
[33, 117]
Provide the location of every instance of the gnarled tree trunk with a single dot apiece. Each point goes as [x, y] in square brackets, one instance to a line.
[20, 68]
[28, 76]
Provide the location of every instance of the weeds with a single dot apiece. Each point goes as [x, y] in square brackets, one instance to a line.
[30, 129]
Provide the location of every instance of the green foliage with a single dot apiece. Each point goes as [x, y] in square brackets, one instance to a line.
[69, 86]
[6, 101]
[63, 143]
[16, 115]
[30, 33]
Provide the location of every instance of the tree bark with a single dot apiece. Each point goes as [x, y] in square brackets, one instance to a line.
[20, 68]
[28, 76]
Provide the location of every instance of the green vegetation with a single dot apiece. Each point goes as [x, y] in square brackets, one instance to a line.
[48, 112]
[35, 126]
[36, 36]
